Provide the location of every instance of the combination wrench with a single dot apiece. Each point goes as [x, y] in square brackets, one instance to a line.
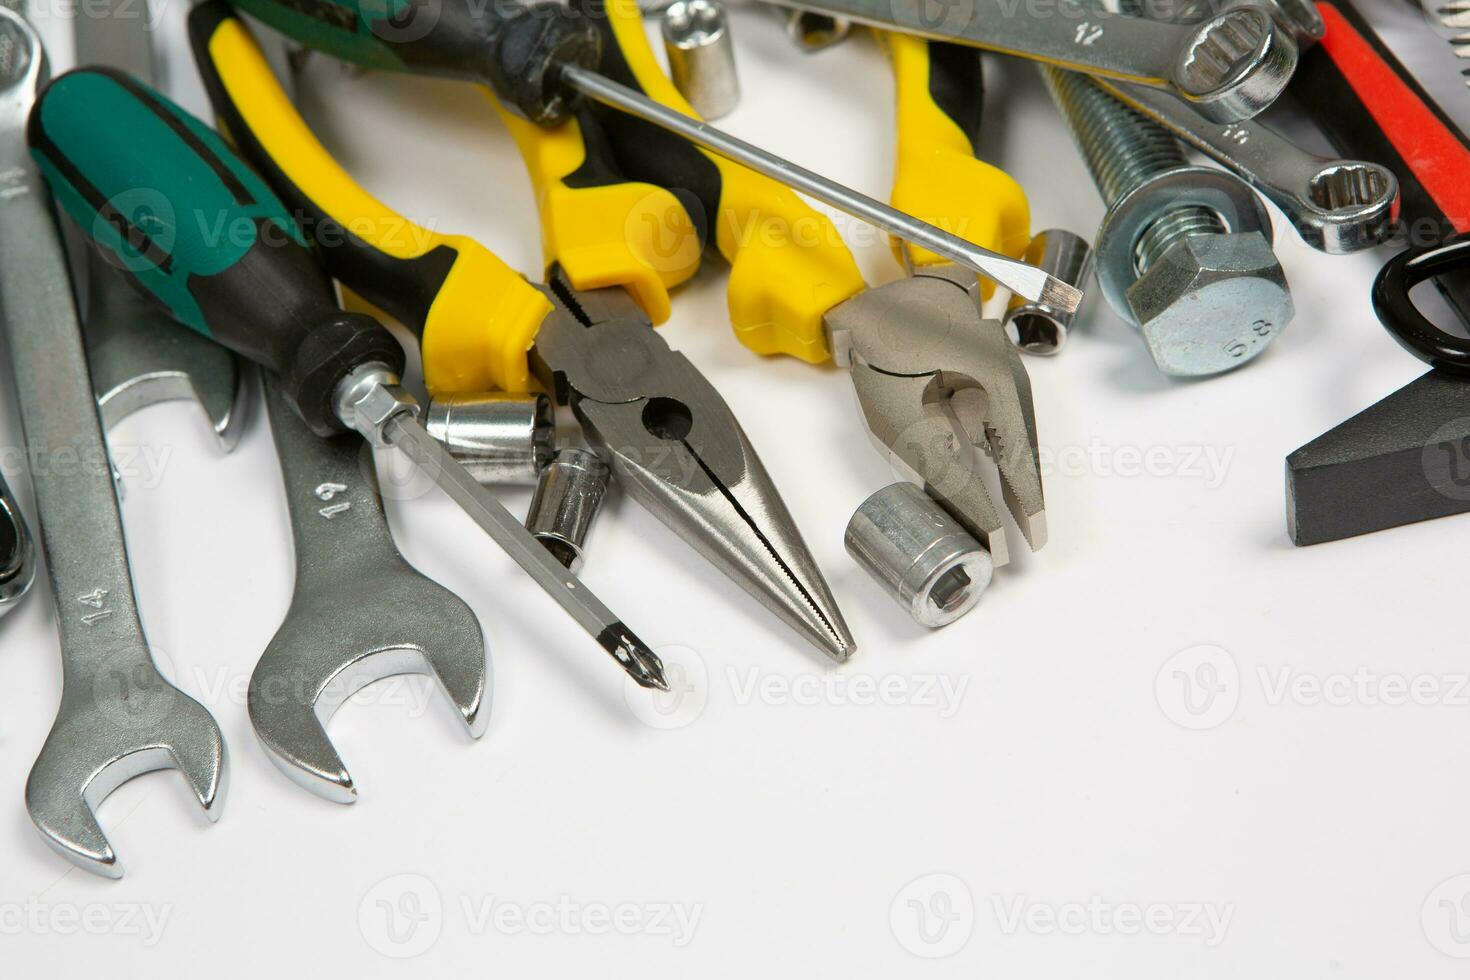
[359, 613]
[1229, 66]
[1336, 206]
[118, 717]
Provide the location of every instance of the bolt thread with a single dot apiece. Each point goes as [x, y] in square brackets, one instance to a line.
[1173, 227]
[1123, 149]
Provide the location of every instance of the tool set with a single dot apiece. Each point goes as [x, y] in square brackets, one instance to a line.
[151, 308]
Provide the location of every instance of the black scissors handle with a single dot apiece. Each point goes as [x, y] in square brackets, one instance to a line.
[1395, 307]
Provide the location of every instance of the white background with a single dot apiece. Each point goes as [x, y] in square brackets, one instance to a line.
[1039, 763]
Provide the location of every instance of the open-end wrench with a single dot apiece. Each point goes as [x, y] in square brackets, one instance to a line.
[360, 612]
[139, 357]
[1336, 206]
[1228, 66]
[119, 717]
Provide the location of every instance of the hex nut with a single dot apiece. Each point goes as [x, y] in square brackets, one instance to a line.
[1211, 303]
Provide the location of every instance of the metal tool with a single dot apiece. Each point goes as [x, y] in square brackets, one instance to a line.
[938, 385]
[676, 447]
[566, 502]
[539, 59]
[1336, 206]
[1455, 16]
[919, 554]
[702, 55]
[360, 612]
[500, 438]
[1036, 328]
[339, 370]
[138, 356]
[119, 717]
[811, 31]
[1407, 457]
[17, 551]
[1228, 67]
[1184, 252]
[1299, 18]
[656, 420]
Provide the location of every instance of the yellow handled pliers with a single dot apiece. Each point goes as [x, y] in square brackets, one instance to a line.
[665, 431]
[938, 385]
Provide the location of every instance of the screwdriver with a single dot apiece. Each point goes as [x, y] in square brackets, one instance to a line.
[166, 202]
[541, 57]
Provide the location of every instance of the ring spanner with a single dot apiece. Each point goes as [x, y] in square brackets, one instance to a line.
[119, 717]
[1336, 206]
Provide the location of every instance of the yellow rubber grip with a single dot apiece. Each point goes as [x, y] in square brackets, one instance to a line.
[788, 264]
[602, 230]
[478, 317]
[936, 175]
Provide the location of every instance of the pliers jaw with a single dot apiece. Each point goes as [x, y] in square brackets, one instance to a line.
[677, 449]
[939, 386]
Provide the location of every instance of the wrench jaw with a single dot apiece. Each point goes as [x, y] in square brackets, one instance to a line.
[83, 762]
[329, 649]
[210, 377]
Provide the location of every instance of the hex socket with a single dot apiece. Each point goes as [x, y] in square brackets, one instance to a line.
[568, 497]
[931, 565]
[701, 55]
[1039, 328]
[500, 438]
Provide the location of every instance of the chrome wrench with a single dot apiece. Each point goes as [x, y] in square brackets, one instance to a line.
[139, 356]
[119, 717]
[1336, 206]
[1229, 66]
[360, 612]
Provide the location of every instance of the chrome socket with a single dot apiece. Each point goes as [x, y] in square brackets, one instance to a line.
[568, 496]
[910, 545]
[500, 438]
[701, 55]
[1040, 328]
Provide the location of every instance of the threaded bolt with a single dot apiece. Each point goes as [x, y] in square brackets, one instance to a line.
[1123, 151]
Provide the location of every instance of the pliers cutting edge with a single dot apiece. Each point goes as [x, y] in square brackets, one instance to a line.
[664, 429]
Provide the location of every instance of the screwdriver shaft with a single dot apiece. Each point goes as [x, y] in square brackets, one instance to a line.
[406, 433]
[1018, 277]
